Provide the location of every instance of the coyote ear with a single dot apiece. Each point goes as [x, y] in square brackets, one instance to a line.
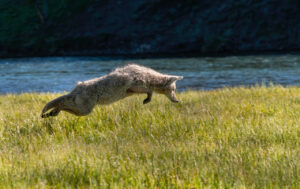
[179, 77]
[173, 79]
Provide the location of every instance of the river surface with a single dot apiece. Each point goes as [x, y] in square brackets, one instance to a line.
[57, 74]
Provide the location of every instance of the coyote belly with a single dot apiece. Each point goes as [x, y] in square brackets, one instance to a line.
[121, 83]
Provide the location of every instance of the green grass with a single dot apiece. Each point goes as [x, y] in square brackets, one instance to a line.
[227, 138]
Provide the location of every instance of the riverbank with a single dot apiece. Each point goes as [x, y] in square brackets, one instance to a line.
[231, 137]
[159, 55]
[143, 27]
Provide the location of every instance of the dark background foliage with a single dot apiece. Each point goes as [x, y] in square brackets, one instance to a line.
[148, 27]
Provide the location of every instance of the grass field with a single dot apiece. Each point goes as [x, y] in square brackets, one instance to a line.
[227, 138]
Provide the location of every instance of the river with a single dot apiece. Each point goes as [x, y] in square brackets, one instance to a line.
[58, 74]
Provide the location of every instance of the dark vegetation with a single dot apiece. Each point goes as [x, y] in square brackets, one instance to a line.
[147, 27]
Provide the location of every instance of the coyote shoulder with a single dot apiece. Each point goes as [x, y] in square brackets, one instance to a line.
[121, 83]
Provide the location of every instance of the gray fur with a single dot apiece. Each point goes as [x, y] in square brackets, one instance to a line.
[121, 83]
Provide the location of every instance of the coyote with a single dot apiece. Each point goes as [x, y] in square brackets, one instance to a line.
[122, 82]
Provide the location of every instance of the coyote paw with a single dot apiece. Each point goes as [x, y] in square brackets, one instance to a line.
[147, 100]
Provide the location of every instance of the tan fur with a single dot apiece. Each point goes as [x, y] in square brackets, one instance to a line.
[120, 83]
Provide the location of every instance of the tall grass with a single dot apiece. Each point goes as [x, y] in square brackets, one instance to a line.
[227, 138]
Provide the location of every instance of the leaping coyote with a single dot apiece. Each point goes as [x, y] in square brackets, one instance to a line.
[121, 83]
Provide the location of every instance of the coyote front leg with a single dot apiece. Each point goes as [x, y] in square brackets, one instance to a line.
[148, 99]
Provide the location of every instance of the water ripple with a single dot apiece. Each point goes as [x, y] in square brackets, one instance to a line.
[61, 73]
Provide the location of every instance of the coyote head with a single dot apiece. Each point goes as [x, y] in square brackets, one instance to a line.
[169, 87]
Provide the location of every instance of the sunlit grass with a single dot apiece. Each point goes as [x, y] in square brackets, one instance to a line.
[232, 137]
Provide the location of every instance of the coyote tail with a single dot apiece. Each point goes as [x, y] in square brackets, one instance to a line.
[54, 103]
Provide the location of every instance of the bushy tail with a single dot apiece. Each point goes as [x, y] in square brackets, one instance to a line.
[56, 103]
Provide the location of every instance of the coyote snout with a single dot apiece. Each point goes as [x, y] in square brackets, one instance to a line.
[121, 83]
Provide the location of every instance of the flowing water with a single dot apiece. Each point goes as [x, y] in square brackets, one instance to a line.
[61, 73]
